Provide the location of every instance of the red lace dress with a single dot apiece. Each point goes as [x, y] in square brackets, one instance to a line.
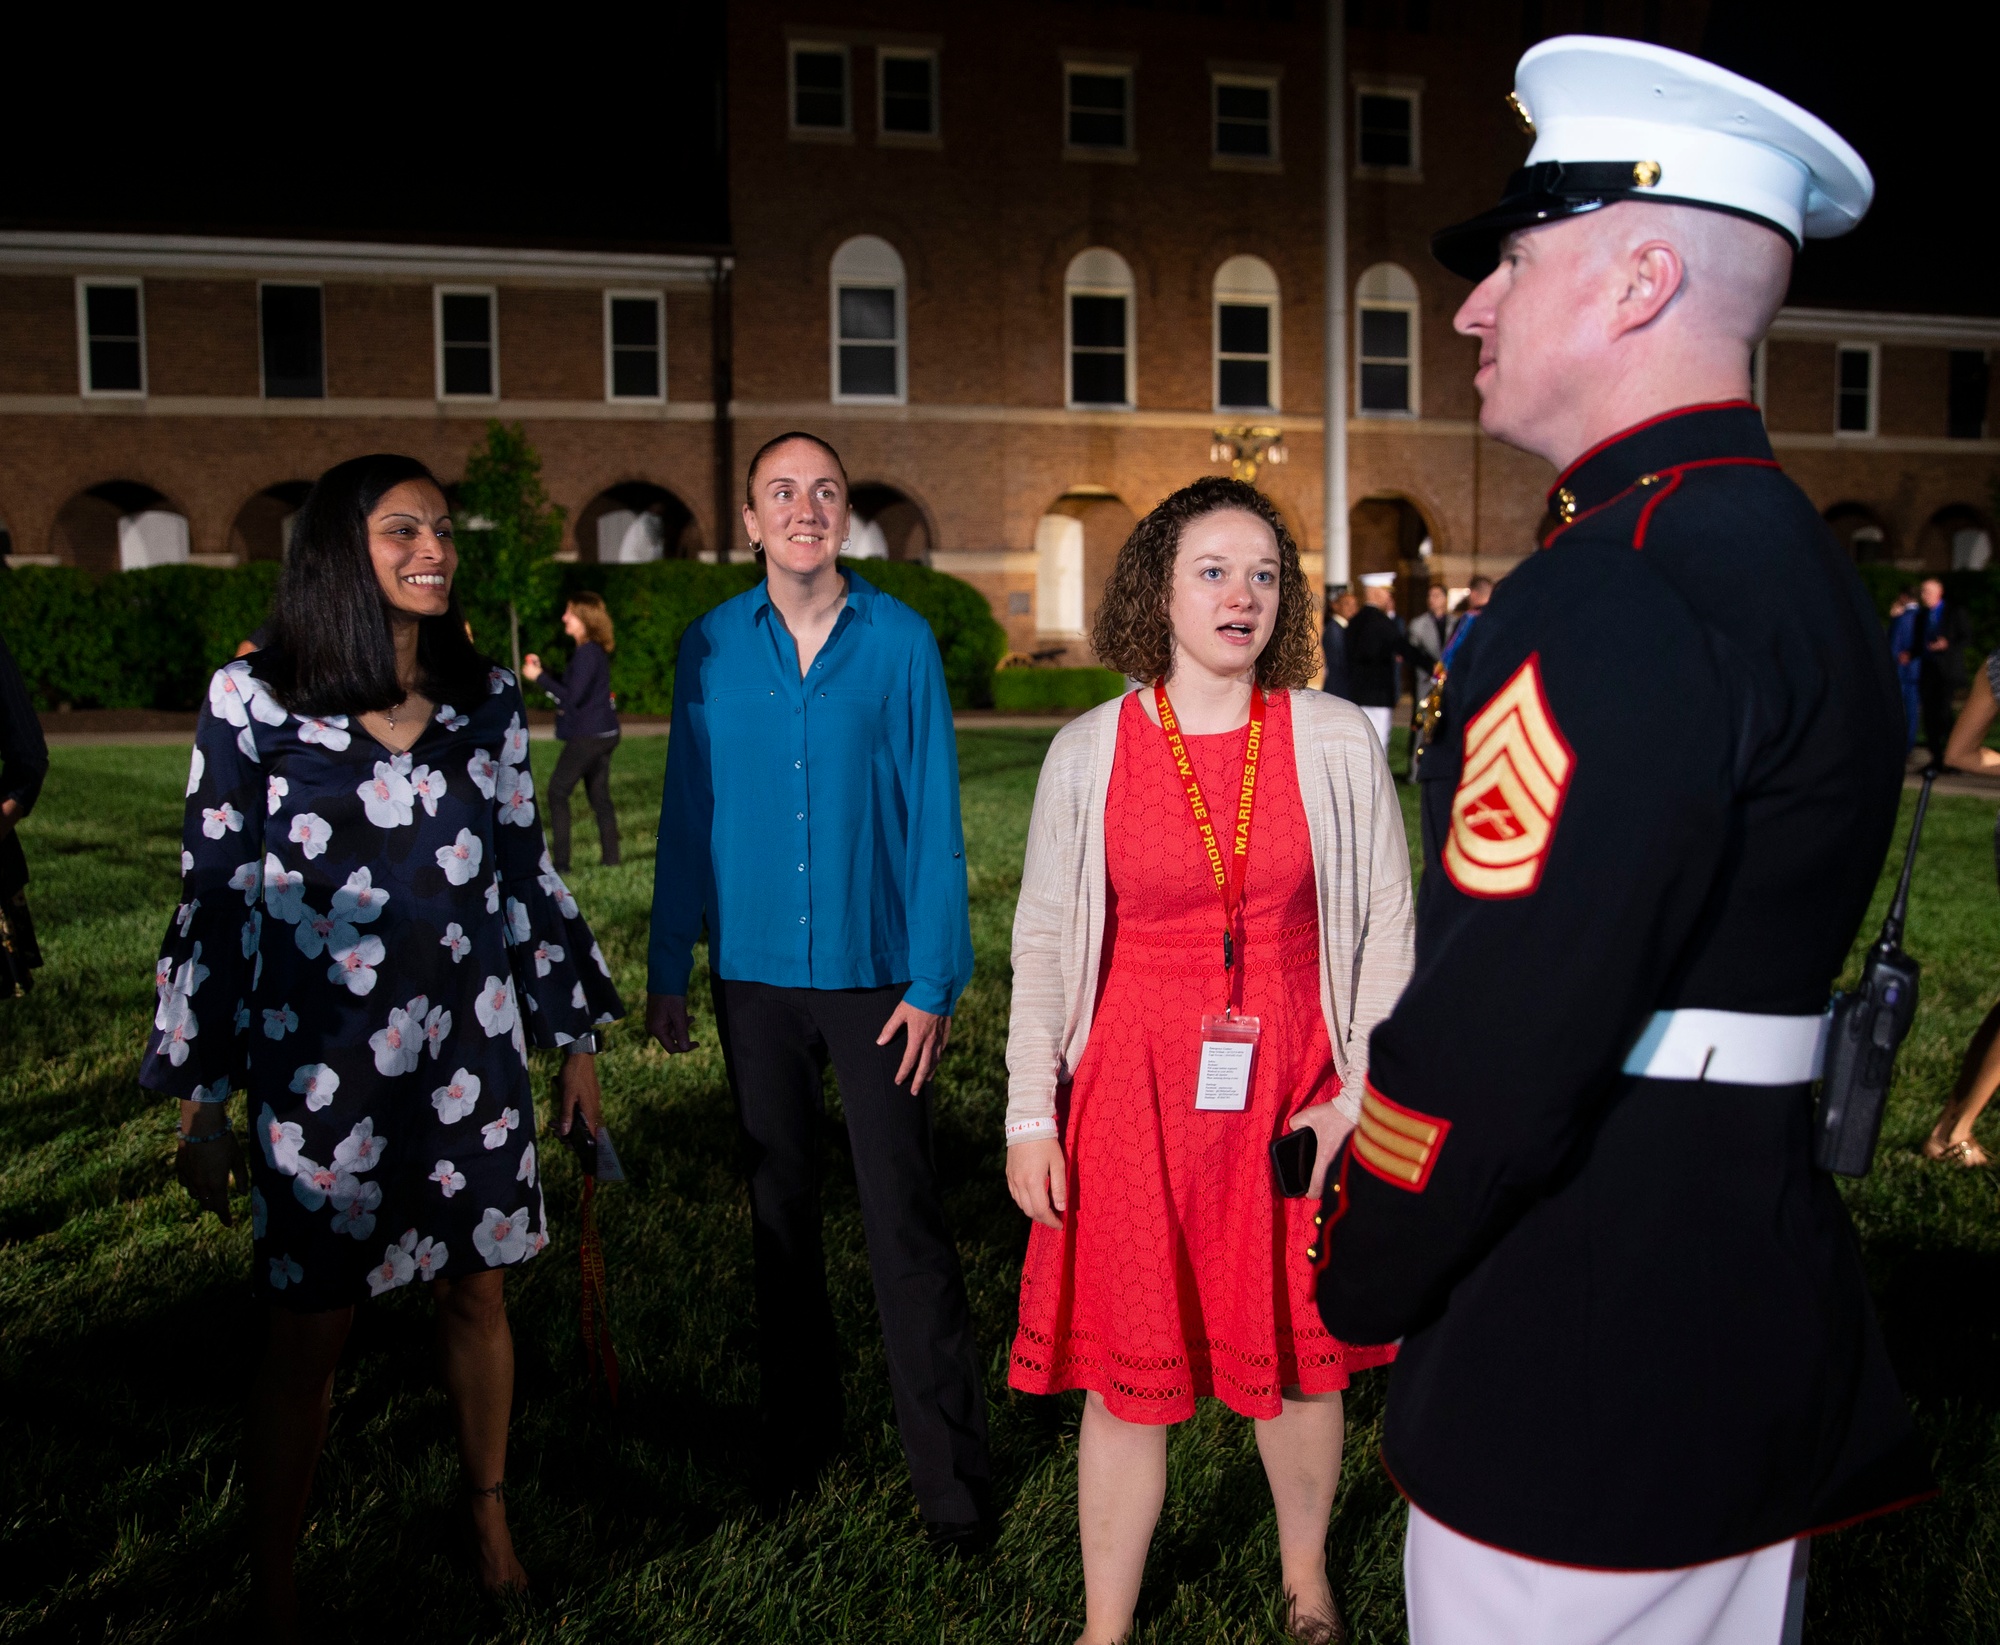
[1179, 1270]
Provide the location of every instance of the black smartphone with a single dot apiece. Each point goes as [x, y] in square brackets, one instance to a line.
[581, 1139]
[1292, 1159]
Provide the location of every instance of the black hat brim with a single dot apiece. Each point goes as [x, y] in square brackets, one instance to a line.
[1472, 248]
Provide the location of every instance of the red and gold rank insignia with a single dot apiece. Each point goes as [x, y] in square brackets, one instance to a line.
[1511, 784]
[1395, 1143]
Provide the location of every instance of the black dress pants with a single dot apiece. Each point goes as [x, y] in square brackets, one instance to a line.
[777, 1043]
[1935, 689]
[586, 760]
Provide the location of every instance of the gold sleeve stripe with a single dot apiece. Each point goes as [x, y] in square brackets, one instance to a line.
[1395, 1143]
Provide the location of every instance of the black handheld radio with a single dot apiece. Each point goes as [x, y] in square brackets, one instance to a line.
[1868, 1026]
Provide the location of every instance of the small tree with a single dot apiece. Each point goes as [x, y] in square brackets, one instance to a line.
[509, 534]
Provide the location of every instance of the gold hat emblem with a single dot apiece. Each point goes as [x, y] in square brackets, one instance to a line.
[1521, 112]
[1646, 173]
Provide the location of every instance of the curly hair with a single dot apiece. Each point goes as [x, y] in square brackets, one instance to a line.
[1134, 631]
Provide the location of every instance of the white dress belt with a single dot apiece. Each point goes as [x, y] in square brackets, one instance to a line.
[1730, 1047]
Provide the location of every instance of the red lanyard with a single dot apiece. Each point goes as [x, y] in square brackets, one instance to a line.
[1228, 875]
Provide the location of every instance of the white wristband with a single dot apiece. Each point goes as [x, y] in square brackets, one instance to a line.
[1027, 1130]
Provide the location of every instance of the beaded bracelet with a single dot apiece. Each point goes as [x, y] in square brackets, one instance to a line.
[184, 1139]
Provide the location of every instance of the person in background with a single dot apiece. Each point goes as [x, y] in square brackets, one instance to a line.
[1951, 1139]
[810, 822]
[586, 725]
[1941, 640]
[1904, 613]
[24, 762]
[1340, 609]
[1163, 1265]
[1375, 649]
[1431, 627]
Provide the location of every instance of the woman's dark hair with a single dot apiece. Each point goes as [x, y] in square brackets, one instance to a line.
[1134, 631]
[332, 650]
[769, 446]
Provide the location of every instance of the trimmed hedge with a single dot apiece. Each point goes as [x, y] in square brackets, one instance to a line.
[1048, 690]
[150, 639]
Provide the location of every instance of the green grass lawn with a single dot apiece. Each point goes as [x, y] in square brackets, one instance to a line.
[126, 1329]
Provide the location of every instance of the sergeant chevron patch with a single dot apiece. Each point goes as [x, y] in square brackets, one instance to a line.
[1516, 771]
[1395, 1143]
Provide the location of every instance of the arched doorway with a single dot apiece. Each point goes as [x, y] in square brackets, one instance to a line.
[1076, 544]
[1957, 538]
[119, 526]
[1862, 533]
[1391, 534]
[263, 528]
[634, 523]
[888, 525]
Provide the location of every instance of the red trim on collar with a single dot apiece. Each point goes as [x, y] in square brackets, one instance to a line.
[1627, 433]
[1678, 473]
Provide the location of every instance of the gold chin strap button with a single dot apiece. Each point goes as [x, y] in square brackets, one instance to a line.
[1646, 173]
[1521, 113]
[1566, 504]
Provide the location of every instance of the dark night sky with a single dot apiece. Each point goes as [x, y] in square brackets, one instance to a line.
[588, 133]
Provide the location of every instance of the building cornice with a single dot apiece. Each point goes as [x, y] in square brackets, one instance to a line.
[75, 253]
[1842, 325]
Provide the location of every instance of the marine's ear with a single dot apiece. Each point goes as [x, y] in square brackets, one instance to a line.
[1654, 274]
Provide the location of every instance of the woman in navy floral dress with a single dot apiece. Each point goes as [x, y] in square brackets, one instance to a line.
[370, 935]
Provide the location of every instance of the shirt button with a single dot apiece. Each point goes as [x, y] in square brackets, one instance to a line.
[802, 868]
[796, 764]
[802, 919]
[802, 816]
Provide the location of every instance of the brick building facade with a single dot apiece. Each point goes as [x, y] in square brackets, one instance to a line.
[1030, 269]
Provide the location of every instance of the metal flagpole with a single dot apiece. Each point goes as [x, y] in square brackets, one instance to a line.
[1336, 575]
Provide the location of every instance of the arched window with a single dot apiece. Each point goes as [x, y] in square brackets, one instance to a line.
[1246, 336]
[869, 352]
[1385, 343]
[1098, 331]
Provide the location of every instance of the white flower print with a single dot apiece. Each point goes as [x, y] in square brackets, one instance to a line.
[576, 998]
[495, 1131]
[428, 786]
[196, 766]
[493, 896]
[313, 1182]
[328, 730]
[312, 832]
[546, 954]
[280, 1140]
[226, 694]
[317, 1083]
[218, 1092]
[274, 794]
[243, 1017]
[220, 820]
[597, 953]
[538, 1242]
[480, 769]
[456, 940]
[450, 718]
[181, 1027]
[460, 859]
[354, 962]
[498, 680]
[399, 1046]
[354, 1207]
[495, 1007]
[280, 1021]
[387, 796]
[246, 742]
[518, 928]
[514, 742]
[284, 1271]
[316, 933]
[248, 878]
[260, 1215]
[397, 1267]
[454, 1101]
[551, 882]
[184, 916]
[163, 986]
[502, 1236]
[253, 933]
[360, 1149]
[187, 864]
[192, 974]
[514, 790]
[430, 1254]
[526, 1170]
[437, 1028]
[448, 1177]
[360, 901]
[284, 891]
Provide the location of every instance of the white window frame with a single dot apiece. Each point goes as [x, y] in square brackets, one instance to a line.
[1414, 96]
[263, 379]
[1096, 151]
[1874, 353]
[899, 285]
[842, 133]
[1271, 303]
[1413, 307]
[1130, 294]
[1274, 161]
[659, 301]
[83, 283]
[908, 139]
[492, 296]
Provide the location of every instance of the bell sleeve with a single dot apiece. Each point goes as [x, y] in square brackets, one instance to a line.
[560, 975]
[209, 962]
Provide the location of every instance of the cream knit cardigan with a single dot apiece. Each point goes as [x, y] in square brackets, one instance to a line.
[1361, 865]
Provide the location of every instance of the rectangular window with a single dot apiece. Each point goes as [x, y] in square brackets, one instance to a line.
[111, 324]
[1246, 118]
[1098, 351]
[466, 366]
[293, 335]
[909, 93]
[1385, 360]
[1970, 382]
[1385, 131]
[1854, 382]
[869, 363]
[1098, 108]
[635, 366]
[1243, 356]
[819, 88]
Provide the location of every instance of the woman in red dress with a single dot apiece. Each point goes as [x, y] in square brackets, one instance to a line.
[1218, 851]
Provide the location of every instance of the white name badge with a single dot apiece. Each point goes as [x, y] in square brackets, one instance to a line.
[1228, 1053]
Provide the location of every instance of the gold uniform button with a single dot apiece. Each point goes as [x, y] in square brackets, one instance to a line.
[1566, 504]
[1312, 1253]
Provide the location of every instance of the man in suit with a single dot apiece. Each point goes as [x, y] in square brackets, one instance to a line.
[1941, 638]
